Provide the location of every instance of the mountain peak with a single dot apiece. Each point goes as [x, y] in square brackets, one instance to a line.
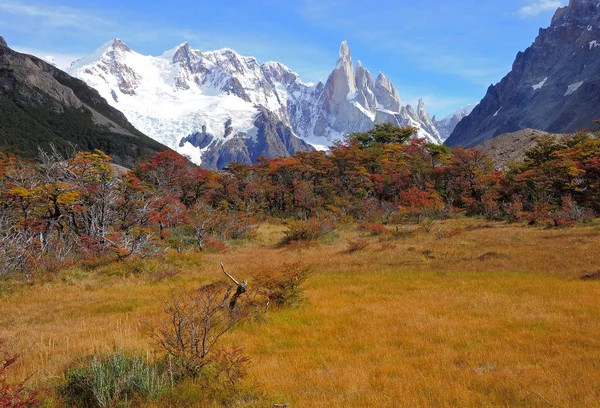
[582, 3]
[381, 78]
[117, 44]
[3, 42]
[576, 9]
[183, 53]
[345, 51]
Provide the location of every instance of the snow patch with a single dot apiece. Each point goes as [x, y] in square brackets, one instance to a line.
[540, 84]
[594, 44]
[573, 87]
[191, 152]
[498, 111]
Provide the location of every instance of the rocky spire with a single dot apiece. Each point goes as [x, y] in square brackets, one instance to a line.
[341, 82]
[364, 80]
[182, 52]
[386, 94]
[577, 8]
[3, 42]
[365, 88]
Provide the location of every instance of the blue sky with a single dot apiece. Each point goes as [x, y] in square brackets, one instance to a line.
[447, 52]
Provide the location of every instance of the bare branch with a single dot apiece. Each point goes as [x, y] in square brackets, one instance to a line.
[228, 275]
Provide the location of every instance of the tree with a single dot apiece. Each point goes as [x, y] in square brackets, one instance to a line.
[385, 133]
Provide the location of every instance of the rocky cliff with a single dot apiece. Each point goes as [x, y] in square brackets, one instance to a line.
[553, 86]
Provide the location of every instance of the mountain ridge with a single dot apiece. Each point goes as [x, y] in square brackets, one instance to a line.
[186, 92]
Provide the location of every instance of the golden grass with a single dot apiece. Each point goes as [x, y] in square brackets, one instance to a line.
[470, 314]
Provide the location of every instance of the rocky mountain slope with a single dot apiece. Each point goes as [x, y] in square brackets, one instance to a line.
[446, 125]
[553, 86]
[41, 105]
[511, 147]
[219, 106]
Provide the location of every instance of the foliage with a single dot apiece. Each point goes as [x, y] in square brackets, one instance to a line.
[115, 380]
[382, 134]
[60, 211]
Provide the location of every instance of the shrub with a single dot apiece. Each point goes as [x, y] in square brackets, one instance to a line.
[215, 246]
[428, 223]
[356, 245]
[209, 222]
[309, 230]
[116, 380]
[513, 210]
[282, 287]
[232, 365]
[193, 323]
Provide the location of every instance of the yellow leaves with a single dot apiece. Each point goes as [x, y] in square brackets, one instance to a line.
[21, 192]
[92, 166]
[68, 198]
[64, 194]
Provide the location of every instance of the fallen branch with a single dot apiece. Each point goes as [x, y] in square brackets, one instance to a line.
[241, 288]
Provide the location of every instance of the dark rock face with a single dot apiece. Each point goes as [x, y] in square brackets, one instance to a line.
[2, 42]
[553, 86]
[273, 139]
[200, 140]
[42, 105]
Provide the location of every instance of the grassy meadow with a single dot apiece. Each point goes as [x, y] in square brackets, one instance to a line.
[471, 314]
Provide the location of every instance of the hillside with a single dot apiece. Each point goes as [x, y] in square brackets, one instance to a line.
[41, 105]
[511, 147]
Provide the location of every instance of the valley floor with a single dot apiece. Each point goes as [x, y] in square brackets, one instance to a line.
[471, 314]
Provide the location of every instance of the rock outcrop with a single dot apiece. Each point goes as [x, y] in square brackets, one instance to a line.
[511, 147]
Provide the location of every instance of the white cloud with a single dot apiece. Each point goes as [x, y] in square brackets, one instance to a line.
[56, 17]
[538, 7]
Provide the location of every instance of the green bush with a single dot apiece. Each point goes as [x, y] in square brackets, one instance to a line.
[115, 380]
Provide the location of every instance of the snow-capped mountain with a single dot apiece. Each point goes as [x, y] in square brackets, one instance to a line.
[219, 106]
[446, 126]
